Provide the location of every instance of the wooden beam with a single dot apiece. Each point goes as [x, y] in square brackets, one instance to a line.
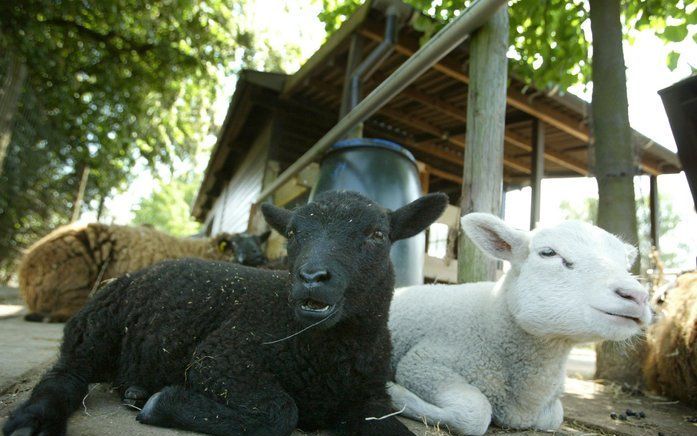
[654, 211]
[484, 155]
[445, 175]
[427, 100]
[513, 139]
[553, 156]
[516, 99]
[538, 170]
[443, 135]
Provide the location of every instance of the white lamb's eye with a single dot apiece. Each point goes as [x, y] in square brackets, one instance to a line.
[547, 252]
[567, 264]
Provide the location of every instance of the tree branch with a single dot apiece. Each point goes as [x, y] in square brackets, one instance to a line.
[107, 38]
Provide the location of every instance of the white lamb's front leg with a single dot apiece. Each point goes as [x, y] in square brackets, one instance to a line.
[551, 417]
[444, 397]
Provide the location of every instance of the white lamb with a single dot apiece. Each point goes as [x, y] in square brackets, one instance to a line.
[467, 354]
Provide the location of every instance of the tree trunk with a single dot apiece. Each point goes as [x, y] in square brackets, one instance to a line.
[100, 207]
[10, 90]
[614, 164]
[486, 115]
[80, 194]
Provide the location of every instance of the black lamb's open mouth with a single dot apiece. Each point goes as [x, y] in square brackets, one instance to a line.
[315, 306]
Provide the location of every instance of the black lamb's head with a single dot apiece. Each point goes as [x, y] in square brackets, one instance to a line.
[339, 252]
[245, 248]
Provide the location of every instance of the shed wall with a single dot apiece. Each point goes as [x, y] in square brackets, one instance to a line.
[230, 212]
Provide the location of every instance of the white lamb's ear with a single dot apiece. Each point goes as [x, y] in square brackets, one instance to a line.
[631, 253]
[494, 237]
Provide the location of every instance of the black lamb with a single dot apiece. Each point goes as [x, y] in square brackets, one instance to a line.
[225, 349]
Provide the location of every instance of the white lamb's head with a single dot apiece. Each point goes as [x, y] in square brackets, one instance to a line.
[569, 281]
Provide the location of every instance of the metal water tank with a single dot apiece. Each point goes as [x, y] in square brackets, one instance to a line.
[385, 172]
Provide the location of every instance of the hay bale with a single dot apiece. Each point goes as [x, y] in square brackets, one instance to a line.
[670, 367]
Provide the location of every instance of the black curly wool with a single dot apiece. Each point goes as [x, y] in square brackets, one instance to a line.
[214, 341]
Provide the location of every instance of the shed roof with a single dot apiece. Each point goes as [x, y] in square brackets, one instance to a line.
[429, 117]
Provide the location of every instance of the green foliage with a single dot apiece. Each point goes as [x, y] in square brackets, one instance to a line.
[109, 82]
[169, 207]
[547, 37]
[122, 79]
[669, 219]
[35, 188]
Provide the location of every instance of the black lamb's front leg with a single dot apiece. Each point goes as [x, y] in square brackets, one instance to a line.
[177, 407]
[228, 392]
[371, 419]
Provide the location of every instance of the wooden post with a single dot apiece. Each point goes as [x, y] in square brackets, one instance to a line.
[486, 116]
[654, 209]
[538, 170]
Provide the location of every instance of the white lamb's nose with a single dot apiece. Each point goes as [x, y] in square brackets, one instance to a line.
[639, 296]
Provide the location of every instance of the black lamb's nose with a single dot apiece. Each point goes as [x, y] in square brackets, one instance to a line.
[314, 275]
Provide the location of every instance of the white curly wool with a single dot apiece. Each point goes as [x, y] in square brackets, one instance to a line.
[467, 354]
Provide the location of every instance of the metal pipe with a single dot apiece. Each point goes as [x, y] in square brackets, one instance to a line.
[374, 59]
[429, 54]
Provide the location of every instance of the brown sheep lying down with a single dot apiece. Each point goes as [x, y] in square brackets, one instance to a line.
[670, 367]
[58, 272]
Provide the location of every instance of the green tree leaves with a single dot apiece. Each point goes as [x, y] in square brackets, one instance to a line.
[169, 207]
[109, 82]
[548, 40]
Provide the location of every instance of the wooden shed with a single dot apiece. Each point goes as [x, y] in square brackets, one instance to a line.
[274, 118]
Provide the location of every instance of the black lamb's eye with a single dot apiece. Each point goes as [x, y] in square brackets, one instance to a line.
[547, 252]
[377, 235]
[290, 234]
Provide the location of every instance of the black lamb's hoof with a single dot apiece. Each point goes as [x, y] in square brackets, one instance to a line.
[135, 397]
[35, 317]
[34, 419]
[152, 413]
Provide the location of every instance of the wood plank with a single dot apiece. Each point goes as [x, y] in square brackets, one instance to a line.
[553, 156]
[460, 114]
[514, 97]
[484, 154]
[443, 135]
[538, 170]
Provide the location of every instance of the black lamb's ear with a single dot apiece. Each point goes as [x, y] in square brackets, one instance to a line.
[264, 236]
[411, 219]
[277, 217]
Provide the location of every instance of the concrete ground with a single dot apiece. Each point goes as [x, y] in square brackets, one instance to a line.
[28, 349]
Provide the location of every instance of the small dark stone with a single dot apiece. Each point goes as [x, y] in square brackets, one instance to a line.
[623, 417]
[613, 415]
[660, 433]
[642, 415]
[629, 412]
[691, 419]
